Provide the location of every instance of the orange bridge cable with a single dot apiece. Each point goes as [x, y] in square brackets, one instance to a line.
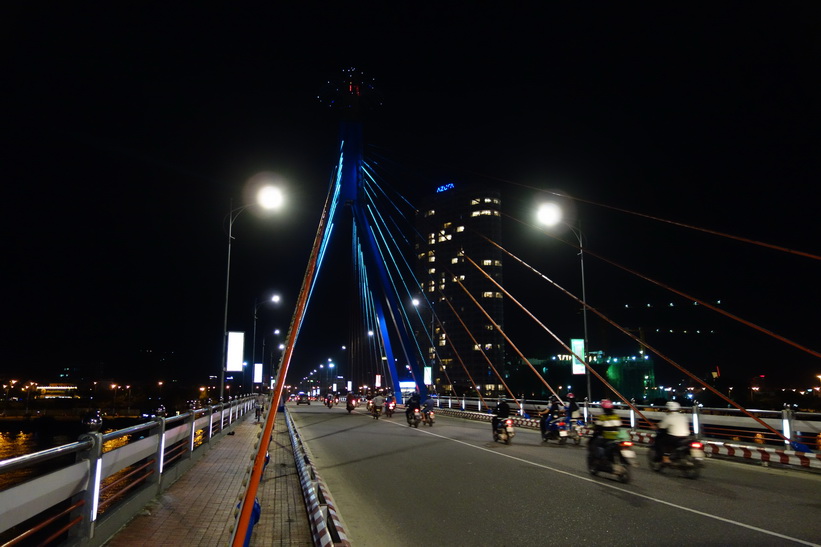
[680, 224]
[487, 359]
[544, 327]
[458, 355]
[716, 309]
[648, 346]
[502, 332]
[456, 352]
[244, 519]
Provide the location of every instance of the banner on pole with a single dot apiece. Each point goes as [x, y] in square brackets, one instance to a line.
[257, 373]
[235, 349]
[577, 347]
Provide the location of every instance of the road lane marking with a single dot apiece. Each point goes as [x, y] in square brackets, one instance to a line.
[617, 488]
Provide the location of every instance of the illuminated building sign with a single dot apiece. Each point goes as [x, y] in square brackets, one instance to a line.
[445, 187]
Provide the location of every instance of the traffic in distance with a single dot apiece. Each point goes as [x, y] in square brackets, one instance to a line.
[569, 479]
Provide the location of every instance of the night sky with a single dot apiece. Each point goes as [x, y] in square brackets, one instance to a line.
[129, 129]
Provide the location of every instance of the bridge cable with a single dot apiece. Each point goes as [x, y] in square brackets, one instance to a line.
[645, 344]
[725, 313]
[555, 337]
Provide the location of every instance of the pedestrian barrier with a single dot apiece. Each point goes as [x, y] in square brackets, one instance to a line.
[711, 447]
[88, 489]
[326, 524]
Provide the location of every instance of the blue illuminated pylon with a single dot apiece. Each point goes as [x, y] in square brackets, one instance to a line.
[386, 302]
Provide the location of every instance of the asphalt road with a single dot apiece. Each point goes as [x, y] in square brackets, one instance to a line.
[450, 484]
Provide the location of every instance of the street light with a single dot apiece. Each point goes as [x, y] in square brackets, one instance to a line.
[550, 214]
[268, 197]
[275, 299]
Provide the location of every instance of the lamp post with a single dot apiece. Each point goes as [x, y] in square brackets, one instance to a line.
[275, 299]
[550, 214]
[268, 197]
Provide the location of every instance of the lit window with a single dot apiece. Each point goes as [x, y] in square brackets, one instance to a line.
[431, 259]
[430, 212]
[476, 347]
[460, 228]
[497, 262]
[474, 202]
[454, 260]
[487, 294]
[446, 225]
[487, 262]
[432, 270]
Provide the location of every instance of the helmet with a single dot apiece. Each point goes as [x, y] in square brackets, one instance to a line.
[607, 404]
[571, 396]
[554, 399]
[673, 406]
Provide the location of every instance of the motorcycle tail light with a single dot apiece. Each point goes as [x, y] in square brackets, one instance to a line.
[627, 443]
[508, 422]
[696, 445]
[562, 424]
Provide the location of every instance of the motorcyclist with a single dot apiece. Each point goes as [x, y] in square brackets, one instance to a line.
[412, 404]
[378, 402]
[550, 414]
[571, 408]
[502, 411]
[671, 430]
[606, 428]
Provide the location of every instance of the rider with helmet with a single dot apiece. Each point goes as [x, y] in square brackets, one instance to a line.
[606, 426]
[502, 411]
[571, 409]
[414, 403]
[552, 413]
[671, 430]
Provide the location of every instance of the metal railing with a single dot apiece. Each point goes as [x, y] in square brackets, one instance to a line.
[92, 487]
[722, 424]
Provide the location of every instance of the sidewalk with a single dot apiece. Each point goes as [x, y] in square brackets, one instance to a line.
[198, 509]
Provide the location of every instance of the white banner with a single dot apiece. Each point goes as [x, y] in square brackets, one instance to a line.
[257, 373]
[235, 350]
[577, 347]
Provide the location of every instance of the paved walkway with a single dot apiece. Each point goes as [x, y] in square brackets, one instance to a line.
[198, 509]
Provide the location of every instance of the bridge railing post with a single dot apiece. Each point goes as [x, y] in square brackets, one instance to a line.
[210, 424]
[696, 420]
[159, 456]
[91, 495]
[192, 433]
[786, 424]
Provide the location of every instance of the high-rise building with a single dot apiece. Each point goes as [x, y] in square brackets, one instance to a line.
[462, 342]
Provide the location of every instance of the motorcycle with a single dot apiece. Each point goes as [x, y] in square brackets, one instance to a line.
[349, 406]
[613, 457]
[576, 430]
[687, 457]
[504, 430]
[376, 411]
[389, 409]
[329, 403]
[556, 430]
[427, 418]
[414, 418]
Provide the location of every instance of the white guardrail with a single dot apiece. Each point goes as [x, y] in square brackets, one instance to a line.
[721, 430]
[85, 500]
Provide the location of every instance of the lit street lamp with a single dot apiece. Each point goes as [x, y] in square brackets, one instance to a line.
[275, 299]
[550, 214]
[268, 197]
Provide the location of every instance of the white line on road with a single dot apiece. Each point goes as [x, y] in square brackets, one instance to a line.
[614, 487]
